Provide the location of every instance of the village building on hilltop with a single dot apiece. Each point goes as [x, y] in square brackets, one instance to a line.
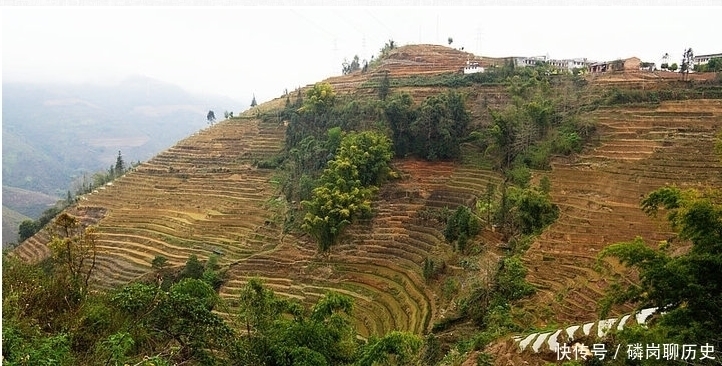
[585, 65]
[704, 59]
[472, 67]
[564, 64]
[627, 64]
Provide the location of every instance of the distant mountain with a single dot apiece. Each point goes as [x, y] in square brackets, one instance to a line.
[26, 202]
[26, 205]
[11, 221]
[55, 133]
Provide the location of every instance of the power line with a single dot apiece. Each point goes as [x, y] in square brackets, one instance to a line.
[330, 34]
[349, 22]
[353, 25]
[367, 31]
[391, 33]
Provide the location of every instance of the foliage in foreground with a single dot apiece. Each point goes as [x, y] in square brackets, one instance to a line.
[144, 324]
[50, 317]
[686, 287]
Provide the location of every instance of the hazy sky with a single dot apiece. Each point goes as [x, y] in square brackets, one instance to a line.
[238, 51]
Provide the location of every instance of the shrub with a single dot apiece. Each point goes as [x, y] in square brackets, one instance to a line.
[270, 163]
[451, 286]
[461, 226]
[534, 210]
[428, 268]
[520, 175]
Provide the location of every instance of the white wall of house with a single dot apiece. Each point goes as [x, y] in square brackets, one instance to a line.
[703, 59]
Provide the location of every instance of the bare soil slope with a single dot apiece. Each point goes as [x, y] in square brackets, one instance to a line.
[639, 149]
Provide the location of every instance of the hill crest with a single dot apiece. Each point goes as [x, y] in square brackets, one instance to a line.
[204, 196]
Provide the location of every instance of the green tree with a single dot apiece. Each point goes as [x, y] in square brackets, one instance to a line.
[346, 186]
[319, 99]
[340, 198]
[461, 225]
[510, 280]
[665, 61]
[211, 117]
[182, 317]
[714, 64]
[673, 67]
[687, 62]
[503, 134]
[259, 309]
[334, 136]
[541, 111]
[159, 262]
[518, 132]
[388, 46]
[370, 152]
[34, 309]
[331, 331]
[193, 268]
[488, 196]
[26, 229]
[186, 316]
[441, 123]
[136, 300]
[400, 114]
[384, 86]
[395, 348]
[533, 210]
[279, 332]
[685, 287]
[119, 165]
[143, 319]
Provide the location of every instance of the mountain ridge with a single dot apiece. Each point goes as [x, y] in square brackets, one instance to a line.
[204, 196]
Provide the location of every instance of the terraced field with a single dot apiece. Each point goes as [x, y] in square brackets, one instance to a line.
[408, 61]
[203, 197]
[639, 149]
[200, 197]
[379, 260]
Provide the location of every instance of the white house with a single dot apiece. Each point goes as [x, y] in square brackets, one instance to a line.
[703, 59]
[472, 67]
[568, 64]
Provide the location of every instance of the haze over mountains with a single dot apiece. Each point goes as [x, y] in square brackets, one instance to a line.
[53, 134]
